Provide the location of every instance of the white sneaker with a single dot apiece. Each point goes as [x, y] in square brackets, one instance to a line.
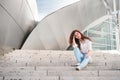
[77, 64]
[78, 68]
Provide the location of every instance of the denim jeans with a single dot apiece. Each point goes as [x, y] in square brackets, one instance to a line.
[80, 57]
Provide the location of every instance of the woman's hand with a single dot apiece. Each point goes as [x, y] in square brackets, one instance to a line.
[88, 53]
[74, 43]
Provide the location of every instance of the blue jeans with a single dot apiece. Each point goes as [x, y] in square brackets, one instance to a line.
[80, 57]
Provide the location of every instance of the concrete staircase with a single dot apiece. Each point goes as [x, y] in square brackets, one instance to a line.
[57, 65]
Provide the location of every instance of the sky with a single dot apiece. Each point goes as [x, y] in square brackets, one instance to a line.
[46, 7]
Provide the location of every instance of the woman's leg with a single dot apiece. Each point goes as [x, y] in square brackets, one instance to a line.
[84, 63]
[77, 54]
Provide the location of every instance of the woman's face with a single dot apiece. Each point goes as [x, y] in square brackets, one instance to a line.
[77, 35]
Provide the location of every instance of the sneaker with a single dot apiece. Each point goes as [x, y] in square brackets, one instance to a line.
[77, 64]
[78, 68]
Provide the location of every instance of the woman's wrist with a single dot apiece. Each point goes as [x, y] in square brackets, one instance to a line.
[74, 45]
[87, 55]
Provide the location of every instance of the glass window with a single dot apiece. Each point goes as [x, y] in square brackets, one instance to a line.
[103, 35]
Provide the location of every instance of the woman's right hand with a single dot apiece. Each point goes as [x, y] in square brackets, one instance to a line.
[74, 43]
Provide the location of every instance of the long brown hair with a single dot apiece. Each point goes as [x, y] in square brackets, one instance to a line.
[83, 37]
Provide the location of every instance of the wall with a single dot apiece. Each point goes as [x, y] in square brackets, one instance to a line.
[17, 19]
[54, 30]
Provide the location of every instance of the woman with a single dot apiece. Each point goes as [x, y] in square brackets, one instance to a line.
[82, 48]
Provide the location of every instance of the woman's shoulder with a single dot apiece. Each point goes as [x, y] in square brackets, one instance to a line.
[88, 41]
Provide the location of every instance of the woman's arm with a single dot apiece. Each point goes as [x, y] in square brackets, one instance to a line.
[88, 53]
[89, 46]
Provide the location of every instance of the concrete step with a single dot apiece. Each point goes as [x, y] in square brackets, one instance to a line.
[31, 78]
[58, 55]
[24, 63]
[56, 68]
[57, 65]
[56, 71]
[88, 78]
[58, 78]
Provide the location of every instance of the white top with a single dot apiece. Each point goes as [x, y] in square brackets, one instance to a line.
[86, 45]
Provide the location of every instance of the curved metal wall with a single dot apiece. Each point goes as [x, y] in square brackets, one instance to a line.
[17, 19]
[52, 33]
[54, 30]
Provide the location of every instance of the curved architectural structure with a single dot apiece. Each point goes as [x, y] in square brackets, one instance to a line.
[17, 19]
[54, 30]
